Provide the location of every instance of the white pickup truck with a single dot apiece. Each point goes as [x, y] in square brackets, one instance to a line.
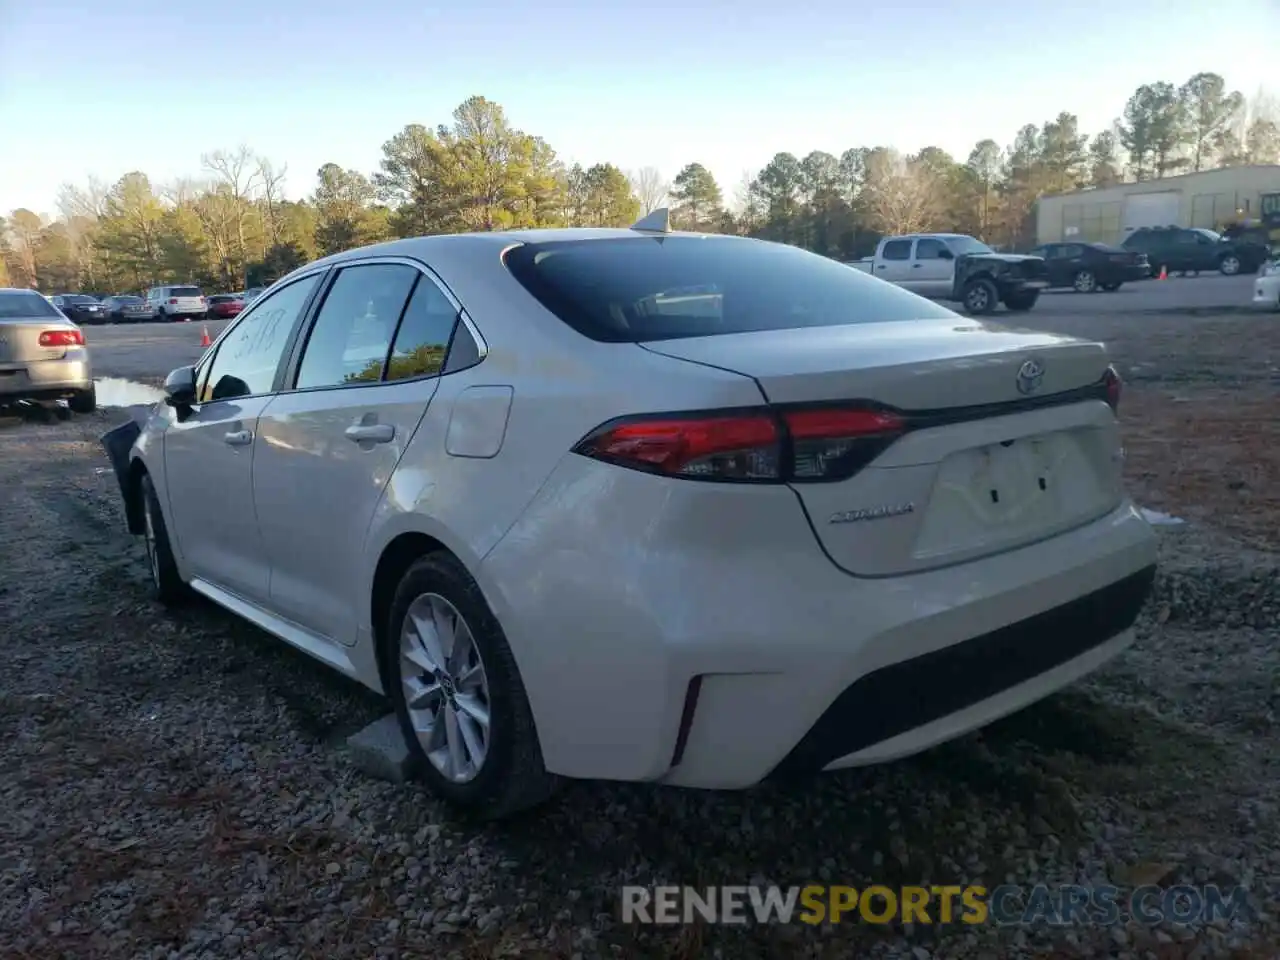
[952, 266]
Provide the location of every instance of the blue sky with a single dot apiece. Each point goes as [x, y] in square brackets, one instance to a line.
[106, 88]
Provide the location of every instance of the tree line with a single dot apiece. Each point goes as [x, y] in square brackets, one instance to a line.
[233, 227]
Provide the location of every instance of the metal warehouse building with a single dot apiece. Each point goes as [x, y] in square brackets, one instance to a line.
[1210, 198]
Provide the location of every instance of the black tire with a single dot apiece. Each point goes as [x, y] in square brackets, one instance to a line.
[1022, 301]
[1085, 281]
[512, 776]
[166, 584]
[1230, 265]
[1112, 287]
[85, 401]
[980, 297]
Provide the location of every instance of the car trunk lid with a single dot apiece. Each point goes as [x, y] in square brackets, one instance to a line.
[20, 340]
[1007, 439]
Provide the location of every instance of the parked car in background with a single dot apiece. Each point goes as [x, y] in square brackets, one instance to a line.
[125, 309]
[938, 534]
[176, 303]
[1266, 288]
[952, 266]
[252, 294]
[223, 306]
[1089, 267]
[80, 307]
[1192, 250]
[42, 353]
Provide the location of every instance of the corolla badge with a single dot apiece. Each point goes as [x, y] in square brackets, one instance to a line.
[1030, 376]
[872, 513]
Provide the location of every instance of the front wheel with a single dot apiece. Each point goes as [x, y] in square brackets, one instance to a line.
[166, 583]
[1229, 265]
[458, 693]
[980, 297]
[1022, 301]
[84, 401]
[1085, 282]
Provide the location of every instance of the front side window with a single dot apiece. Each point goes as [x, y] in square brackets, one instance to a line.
[352, 333]
[929, 249]
[424, 333]
[639, 289]
[248, 356]
[896, 250]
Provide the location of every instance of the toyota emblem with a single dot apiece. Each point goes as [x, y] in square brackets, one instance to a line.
[1030, 376]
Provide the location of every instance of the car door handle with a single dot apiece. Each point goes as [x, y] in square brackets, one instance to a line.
[238, 438]
[371, 432]
[916, 266]
[881, 267]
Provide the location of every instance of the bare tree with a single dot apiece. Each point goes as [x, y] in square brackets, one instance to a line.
[650, 188]
[89, 201]
[271, 184]
[235, 171]
[181, 191]
[902, 196]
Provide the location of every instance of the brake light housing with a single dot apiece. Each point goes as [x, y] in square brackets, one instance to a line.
[173, 300]
[62, 338]
[807, 444]
[1114, 387]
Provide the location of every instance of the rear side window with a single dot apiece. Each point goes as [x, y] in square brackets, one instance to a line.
[17, 306]
[633, 290]
[424, 333]
[184, 291]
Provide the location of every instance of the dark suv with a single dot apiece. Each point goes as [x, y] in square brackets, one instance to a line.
[1190, 250]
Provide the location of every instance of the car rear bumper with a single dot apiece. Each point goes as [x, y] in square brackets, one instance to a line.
[712, 643]
[45, 379]
[1266, 292]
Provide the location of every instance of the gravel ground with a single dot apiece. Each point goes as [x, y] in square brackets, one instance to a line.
[176, 785]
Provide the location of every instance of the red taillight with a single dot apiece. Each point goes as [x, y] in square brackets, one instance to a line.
[62, 338]
[1111, 379]
[173, 300]
[756, 446]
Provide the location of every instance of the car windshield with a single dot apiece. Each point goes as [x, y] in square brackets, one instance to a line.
[634, 290]
[184, 291]
[19, 305]
[962, 245]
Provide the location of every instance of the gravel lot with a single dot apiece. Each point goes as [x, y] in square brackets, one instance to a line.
[177, 785]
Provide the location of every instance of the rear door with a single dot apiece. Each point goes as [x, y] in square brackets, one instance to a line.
[893, 262]
[332, 441]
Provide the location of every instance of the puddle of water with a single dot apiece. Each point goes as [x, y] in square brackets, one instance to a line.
[118, 392]
[1158, 519]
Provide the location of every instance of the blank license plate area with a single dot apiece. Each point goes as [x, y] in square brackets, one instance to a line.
[997, 495]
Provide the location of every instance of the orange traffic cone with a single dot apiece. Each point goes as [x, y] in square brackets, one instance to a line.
[1164, 273]
[204, 336]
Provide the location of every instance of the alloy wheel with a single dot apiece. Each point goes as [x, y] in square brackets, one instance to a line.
[1230, 265]
[1085, 282]
[149, 538]
[977, 299]
[446, 689]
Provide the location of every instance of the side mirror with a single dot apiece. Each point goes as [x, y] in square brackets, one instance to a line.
[180, 387]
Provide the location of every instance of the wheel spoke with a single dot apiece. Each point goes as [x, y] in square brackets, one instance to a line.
[429, 642]
[460, 655]
[470, 678]
[427, 696]
[474, 739]
[445, 621]
[472, 706]
[454, 737]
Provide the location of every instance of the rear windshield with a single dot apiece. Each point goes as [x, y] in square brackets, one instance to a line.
[15, 306]
[128, 300]
[79, 298]
[633, 290]
[184, 291]
[220, 298]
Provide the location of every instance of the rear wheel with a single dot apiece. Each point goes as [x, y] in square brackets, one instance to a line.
[458, 694]
[166, 584]
[84, 401]
[1022, 301]
[980, 297]
[1229, 265]
[1084, 281]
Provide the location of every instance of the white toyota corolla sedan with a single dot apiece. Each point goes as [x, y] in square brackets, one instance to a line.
[643, 505]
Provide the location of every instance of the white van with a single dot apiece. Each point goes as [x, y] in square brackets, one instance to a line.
[176, 303]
